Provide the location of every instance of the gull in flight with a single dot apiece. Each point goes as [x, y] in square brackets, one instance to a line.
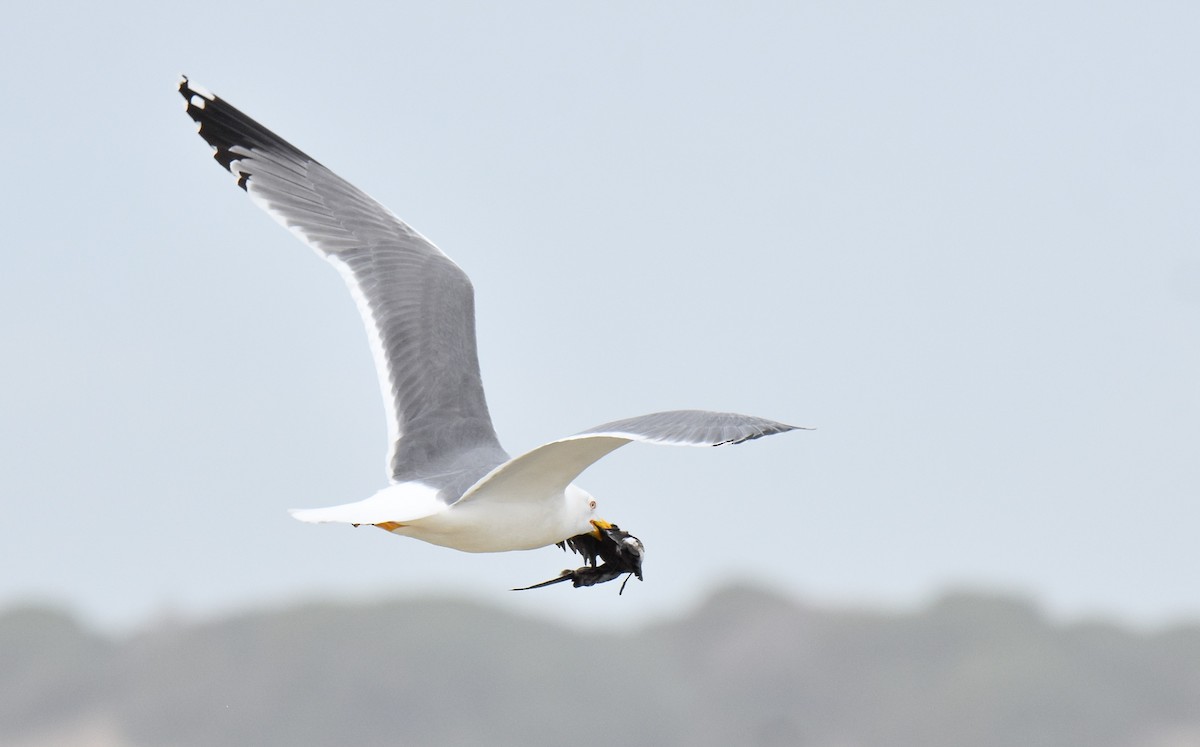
[451, 483]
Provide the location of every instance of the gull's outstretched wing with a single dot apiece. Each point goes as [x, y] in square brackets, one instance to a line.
[548, 469]
[418, 306]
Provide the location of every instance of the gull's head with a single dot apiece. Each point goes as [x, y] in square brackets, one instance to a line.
[582, 508]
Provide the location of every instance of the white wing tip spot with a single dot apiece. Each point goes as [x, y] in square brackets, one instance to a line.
[198, 90]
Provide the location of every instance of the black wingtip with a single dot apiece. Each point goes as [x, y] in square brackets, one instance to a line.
[772, 428]
[197, 104]
[224, 127]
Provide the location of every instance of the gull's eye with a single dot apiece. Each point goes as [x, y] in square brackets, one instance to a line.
[592, 504]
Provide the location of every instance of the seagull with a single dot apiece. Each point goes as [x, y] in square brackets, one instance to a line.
[450, 481]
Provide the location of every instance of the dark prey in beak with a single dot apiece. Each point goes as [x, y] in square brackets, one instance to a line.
[620, 551]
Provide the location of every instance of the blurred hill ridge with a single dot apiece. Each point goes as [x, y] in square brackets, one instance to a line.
[746, 667]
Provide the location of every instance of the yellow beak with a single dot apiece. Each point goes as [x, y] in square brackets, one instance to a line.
[600, 524]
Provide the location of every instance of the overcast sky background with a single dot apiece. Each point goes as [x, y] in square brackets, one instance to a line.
[961, 239]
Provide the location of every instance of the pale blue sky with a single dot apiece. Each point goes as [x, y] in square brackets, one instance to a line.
[959, 238]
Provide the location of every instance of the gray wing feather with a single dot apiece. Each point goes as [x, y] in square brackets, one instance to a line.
[692, 428]
[549, 468]
[417, 304]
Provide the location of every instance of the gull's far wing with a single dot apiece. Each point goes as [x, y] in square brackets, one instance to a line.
[418, 305]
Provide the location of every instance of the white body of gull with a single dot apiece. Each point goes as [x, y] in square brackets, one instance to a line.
[451, 482]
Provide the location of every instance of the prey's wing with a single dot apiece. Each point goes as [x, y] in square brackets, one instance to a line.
[548, 469]
[418, 306]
